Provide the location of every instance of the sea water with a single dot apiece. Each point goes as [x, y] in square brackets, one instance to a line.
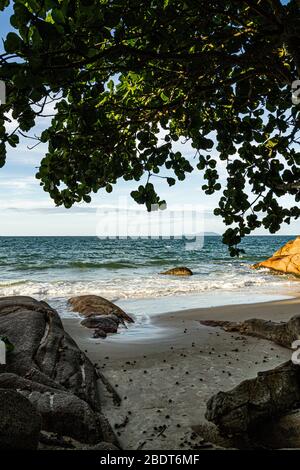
[127, 272]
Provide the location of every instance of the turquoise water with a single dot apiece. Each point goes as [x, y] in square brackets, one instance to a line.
[127, 271]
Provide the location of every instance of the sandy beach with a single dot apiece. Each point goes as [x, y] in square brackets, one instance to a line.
[165, 382]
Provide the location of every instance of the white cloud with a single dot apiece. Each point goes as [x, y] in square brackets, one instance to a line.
[11, 124]
[26, 182]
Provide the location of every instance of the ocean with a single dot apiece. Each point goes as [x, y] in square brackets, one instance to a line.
[127, 272]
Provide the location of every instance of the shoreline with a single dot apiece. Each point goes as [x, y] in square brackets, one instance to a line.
[273, 309]
[177, 328]
[166, 381]
[148, 312]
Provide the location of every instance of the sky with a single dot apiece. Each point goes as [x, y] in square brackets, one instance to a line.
[25, 209]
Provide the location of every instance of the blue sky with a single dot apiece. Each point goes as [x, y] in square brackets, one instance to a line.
[25, 209]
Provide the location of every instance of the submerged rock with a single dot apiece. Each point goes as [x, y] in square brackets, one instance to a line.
[102, 325]
[286, 260]
[92, 305]
[108, 323]
[20, 423]
[99, 333]
[180, 271]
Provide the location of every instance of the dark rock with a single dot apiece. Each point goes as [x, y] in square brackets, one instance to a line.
[61, 411]
[66, 414]
[98, 333]
[102, 446]
[53, 441]
[108, 323]
[91, 305]
[47, 366]
[106, 430]
[216, 323]
[180, 271]
[43, 351]
[270, 394]
[15, 382]
[260, 408]
[280, 433]
[283, 432]
[281, 333]
[20, 423]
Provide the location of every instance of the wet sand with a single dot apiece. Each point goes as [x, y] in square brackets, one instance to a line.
[165, 382]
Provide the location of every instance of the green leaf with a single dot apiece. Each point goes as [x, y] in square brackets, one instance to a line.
[13, 140]
[171, 181]
[13, 43]
[3, 4]
[164, 97]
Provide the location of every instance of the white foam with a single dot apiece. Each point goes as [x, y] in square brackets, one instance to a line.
[141, 287]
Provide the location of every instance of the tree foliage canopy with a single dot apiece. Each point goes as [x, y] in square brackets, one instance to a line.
[124, 72]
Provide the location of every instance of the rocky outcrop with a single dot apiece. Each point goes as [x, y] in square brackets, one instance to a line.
[283, 333]
[102, 446]
[258, 408]
[281, 433]
[102, 325]
[91, 305]
[60, 411]
[110, 321]
[47, 368]
[20, 423]
[101, 314]
[256, 401]
[43, 351]
[261, 407]
[286, 260]
[180, 271]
